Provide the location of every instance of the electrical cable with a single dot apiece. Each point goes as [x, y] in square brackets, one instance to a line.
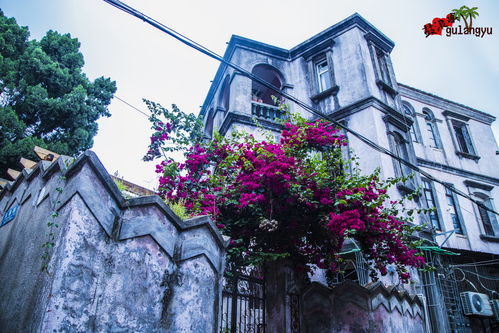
[130, 105]
[479, 263]
[478, 277]
[189, 42]
[465, 279]
[486, 277]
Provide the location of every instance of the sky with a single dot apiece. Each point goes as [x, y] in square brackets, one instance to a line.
[146, 63]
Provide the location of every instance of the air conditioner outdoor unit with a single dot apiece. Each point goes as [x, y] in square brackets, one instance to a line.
[476, 304]
[494, 303]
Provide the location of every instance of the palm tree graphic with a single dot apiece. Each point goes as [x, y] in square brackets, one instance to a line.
[465, 12]
[472, 13]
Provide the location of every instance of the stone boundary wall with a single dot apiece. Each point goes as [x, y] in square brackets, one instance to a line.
[117, 265]
[350, 307]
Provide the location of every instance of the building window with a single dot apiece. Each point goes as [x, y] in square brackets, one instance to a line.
[323, 75]
[463, 138]
[413, 130]
[400, 149]
[431, 128]
[429, 198]
[384, 71]
[452, 209]
[488, 218]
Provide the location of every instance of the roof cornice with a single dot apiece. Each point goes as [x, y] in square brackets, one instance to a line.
[323, 38]
[339, 28]
[445, 104]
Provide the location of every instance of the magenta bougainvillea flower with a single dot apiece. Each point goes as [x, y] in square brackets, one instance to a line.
[294, 198]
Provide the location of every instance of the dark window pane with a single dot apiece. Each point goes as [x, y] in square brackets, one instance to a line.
[463, 138]
[460, 139]
[487, 223]
[383, 67]
[457, 224]
[400, 149]
[431, 134]
[430, 203]
[451, 205]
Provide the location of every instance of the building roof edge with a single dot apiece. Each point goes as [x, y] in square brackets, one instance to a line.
[445, 104]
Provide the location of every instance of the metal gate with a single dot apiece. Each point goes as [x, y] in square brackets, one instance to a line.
[243, 302]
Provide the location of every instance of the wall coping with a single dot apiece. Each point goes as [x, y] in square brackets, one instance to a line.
[69, 168]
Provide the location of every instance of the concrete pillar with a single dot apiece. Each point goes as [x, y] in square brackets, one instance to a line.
[282, 298]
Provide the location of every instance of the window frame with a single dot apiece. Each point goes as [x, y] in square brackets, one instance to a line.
[483, 193]
[431, 128]
[383, 67]
[492, 219]
[324, 72]
[457, 210]
[383, 70]
[400, 149]
[318, 93]
[486, 199]
[430, 189]
[414, 131]
[455, 119]
[400, 169]
[469, 150]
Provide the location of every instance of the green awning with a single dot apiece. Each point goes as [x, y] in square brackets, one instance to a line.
[437, 250]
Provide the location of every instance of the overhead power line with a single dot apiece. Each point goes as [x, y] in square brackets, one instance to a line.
[193, 44]
[133, 107]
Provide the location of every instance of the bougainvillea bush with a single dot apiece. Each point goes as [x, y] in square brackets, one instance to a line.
[296, 197]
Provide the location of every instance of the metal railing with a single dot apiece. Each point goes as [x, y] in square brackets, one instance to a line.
[266, 111]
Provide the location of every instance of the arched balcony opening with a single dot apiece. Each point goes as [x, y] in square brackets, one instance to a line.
[263, 105]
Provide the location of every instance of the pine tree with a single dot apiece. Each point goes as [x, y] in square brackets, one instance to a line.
[45, 98]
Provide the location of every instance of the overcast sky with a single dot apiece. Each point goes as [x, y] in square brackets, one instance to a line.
[146, 63]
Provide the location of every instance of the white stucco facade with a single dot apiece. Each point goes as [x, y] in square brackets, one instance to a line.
[452, 142]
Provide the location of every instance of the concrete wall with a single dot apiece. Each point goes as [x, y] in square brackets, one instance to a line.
[117, 265]
[294, 305]
[352, 308]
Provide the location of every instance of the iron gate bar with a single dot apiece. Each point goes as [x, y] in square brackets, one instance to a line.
[246, 311]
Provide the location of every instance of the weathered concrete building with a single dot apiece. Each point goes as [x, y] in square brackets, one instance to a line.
[346, 73]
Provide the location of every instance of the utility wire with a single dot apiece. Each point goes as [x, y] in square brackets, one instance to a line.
[486, 277]
[478, 263]
[130, 105]
[189, 42]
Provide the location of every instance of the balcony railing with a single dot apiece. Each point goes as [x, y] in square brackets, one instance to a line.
[266, 111]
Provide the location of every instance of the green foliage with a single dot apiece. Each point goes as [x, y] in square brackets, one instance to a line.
[45, 98]
[51, 223]
[178, 208]
[187, 130]
[120, 185]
